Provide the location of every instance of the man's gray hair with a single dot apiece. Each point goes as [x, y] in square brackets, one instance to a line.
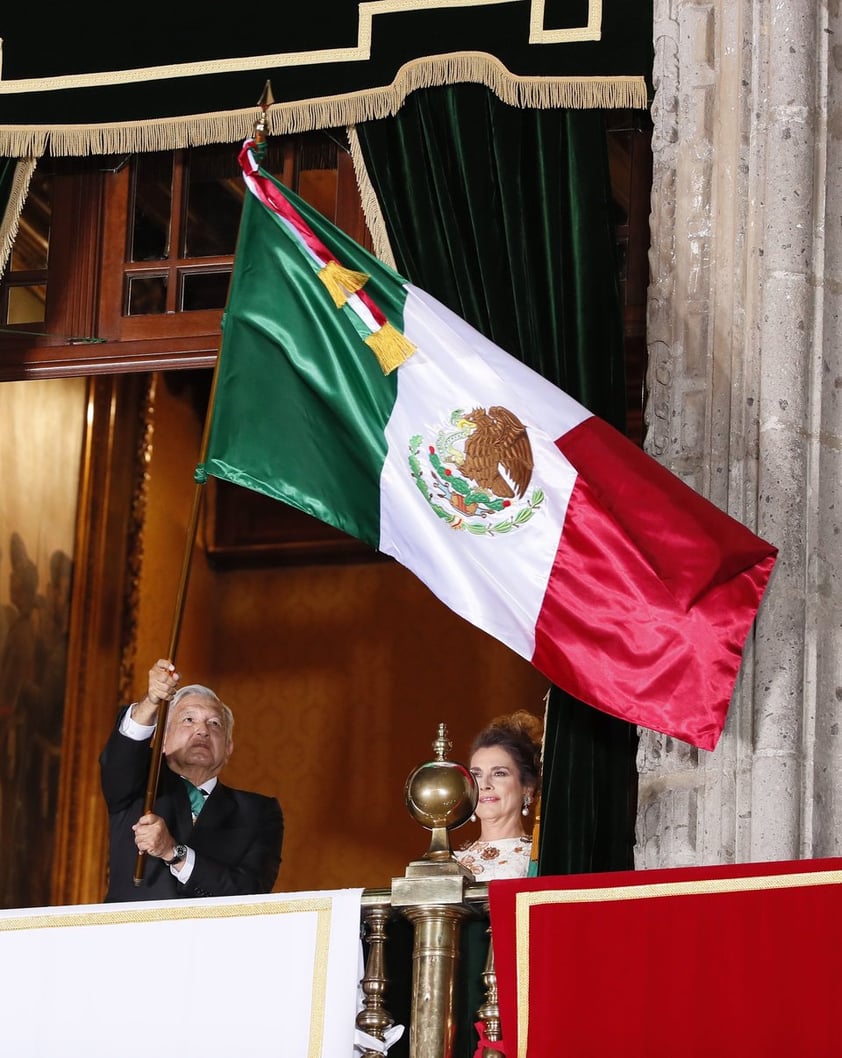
[205, 692]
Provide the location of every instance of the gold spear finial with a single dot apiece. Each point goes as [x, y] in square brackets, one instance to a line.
[266, 100]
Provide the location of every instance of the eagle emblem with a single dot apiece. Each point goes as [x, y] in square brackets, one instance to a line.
[497, 455]
[478, 467]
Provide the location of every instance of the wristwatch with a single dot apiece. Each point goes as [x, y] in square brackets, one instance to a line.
[179, 854]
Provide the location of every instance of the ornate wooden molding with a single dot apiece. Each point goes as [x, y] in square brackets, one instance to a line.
[101, 619]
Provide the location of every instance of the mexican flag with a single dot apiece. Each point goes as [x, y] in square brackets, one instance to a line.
[343, 390]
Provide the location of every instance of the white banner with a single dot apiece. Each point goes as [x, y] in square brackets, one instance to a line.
[232, 977]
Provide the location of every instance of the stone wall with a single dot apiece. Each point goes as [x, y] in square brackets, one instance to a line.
[744, 392]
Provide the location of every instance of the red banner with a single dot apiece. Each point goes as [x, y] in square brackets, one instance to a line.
[738, 961]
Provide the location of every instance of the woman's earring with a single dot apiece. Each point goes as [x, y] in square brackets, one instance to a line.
[473, 817]
[527, 801]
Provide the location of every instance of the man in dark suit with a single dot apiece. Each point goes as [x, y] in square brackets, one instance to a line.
[227, 844]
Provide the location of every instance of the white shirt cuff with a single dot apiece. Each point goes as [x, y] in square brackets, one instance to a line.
[132, 729]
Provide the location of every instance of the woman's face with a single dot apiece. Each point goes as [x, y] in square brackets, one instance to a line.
[501, 791]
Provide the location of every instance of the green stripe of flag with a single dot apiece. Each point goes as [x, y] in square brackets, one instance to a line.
[301, 403]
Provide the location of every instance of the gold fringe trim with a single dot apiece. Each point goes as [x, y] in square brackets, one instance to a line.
[341, 281]
[371, 206]
[10, 221]
[330, 111]
[391, 347]
[168, 134]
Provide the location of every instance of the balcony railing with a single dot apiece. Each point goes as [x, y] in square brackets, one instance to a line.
[436, 895]
[436, 906]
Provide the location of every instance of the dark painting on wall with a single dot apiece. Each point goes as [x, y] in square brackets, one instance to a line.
[41, 426]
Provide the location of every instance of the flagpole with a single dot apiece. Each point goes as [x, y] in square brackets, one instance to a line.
[198, 495]
[164, 705]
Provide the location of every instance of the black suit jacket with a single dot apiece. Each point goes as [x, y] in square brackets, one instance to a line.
[237, 837]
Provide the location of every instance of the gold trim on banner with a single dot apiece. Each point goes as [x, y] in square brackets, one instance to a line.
[525, 901]
[318, 989]
[538, 34]
[361, 52]
[86, 917]
[329, 111]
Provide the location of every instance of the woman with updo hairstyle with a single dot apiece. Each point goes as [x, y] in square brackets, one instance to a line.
[505, 760]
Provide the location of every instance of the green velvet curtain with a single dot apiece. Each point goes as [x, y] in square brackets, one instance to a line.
[505, 215]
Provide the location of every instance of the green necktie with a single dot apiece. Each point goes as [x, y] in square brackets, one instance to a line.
[197, 796]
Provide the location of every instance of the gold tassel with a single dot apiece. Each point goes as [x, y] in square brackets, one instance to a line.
[390, 346]
[341, 282]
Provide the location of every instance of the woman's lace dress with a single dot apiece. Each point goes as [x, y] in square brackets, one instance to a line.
[489, 860]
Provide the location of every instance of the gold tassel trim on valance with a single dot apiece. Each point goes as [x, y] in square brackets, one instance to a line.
[328, 112]
[391, 347]
[341, 282]
[372, 212]
[10, 220]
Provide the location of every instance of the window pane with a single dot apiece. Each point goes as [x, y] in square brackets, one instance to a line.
[26, 304]
[147, 296]
[214, 202]
[204, 290]
[150, 235]
[31, 246]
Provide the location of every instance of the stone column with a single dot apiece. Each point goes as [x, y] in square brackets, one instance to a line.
[744, 392]
[823, 633]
